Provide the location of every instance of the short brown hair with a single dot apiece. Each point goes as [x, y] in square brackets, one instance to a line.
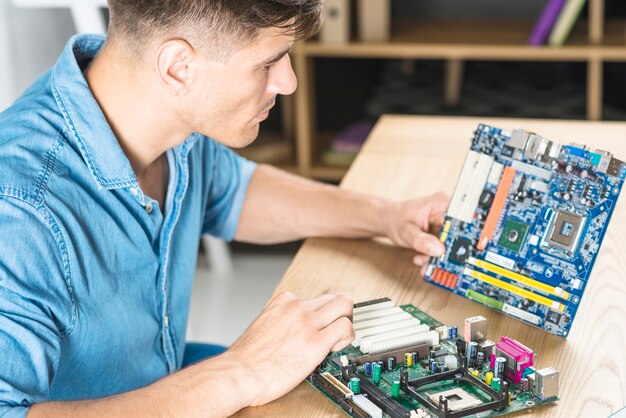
[223, 23]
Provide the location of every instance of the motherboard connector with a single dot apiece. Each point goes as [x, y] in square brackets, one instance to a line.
[518, 357]
[546, 383]
[475, 329]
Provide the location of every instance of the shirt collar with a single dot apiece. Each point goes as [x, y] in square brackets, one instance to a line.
[85, 120]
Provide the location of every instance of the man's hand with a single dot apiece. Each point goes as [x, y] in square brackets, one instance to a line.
[289, 339]
[416, 224]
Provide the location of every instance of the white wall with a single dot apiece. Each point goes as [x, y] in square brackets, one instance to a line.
[30, 43]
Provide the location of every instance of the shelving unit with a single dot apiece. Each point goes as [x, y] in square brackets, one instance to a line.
[593, 42]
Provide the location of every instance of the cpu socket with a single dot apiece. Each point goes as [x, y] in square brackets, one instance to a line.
[565, 230]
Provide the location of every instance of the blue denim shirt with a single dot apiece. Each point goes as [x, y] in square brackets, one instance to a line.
[94, 282]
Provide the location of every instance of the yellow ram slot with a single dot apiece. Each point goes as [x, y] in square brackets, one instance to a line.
[556, 291]
[514, 289]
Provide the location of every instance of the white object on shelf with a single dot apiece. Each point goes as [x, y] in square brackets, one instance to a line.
[374, 20]
[336, 28]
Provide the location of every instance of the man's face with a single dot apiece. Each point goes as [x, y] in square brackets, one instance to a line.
[231, 99]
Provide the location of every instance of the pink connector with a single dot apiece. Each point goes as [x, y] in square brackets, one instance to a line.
[518, 357]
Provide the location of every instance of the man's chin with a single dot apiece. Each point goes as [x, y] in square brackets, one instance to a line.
[240, 141]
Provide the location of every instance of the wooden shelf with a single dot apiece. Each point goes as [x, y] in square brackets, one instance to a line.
[476, 40]
[593, 42]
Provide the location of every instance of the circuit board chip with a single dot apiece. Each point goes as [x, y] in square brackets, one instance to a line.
[525, 224]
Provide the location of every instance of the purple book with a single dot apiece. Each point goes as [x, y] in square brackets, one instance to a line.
[546, 21]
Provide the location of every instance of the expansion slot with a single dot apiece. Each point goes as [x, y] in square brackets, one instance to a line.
[355, 410]
[496, 207]
[381, 399]
[421, 350]
[360, 335]
[485, 265]
[514, 289]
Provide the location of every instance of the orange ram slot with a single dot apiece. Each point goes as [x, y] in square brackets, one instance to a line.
[496, 208]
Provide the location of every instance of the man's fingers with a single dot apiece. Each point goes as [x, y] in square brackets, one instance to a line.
[338, 334]
[340, 306]
[427, 244]
[318, 302]
[421, 260]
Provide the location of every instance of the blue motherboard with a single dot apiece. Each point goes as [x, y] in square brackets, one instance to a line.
[525, 225]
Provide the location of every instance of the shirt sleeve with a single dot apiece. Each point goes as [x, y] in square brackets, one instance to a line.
[34, 304]
[229, 177]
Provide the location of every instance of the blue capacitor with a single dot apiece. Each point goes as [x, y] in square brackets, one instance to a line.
[433, 366]
[368, 369]
[455, 331]
[498, 368]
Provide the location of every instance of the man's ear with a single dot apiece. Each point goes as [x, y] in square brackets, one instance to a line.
[176, 65]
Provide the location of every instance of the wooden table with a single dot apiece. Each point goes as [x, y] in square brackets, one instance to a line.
[409, 156]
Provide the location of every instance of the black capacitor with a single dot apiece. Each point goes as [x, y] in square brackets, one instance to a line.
[480, 359]
[391, 363]
[414, 357]
[382, 365]
[460, 346]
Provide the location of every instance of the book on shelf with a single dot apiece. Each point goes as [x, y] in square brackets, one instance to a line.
[546, 21]
[565, 23]
[347, 144]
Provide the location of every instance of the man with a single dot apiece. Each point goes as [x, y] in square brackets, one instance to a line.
[107, 180]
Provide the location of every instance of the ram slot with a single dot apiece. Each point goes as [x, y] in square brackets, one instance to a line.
[496, 208]
[359, 335]
[514, 289]
[430, 337]
[551, 290]
[367, 342]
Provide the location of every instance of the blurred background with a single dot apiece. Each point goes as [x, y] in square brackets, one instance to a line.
[427, 57]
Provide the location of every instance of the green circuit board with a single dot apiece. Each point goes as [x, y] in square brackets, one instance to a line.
[459, 385]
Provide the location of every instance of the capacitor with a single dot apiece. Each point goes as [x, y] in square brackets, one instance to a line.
[433, 366]
[395, 389]
[488, 377]
[376, 372]
[498, 368]
[471, 350]
[368, 369]
[391, 363]
[414, 357]
[460, 346]
[524, 384]
[495, 383]
[455, 331]
[442, 368]
[355, 385]
[474, 372]
[382, 365]
[408, 359]
[480, 359]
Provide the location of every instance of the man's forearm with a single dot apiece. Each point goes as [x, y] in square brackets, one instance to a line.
[282, 207]
[210, 388]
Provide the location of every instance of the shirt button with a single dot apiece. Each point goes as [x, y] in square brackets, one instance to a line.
[133, 191]
[166, 321]
[149, 207]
